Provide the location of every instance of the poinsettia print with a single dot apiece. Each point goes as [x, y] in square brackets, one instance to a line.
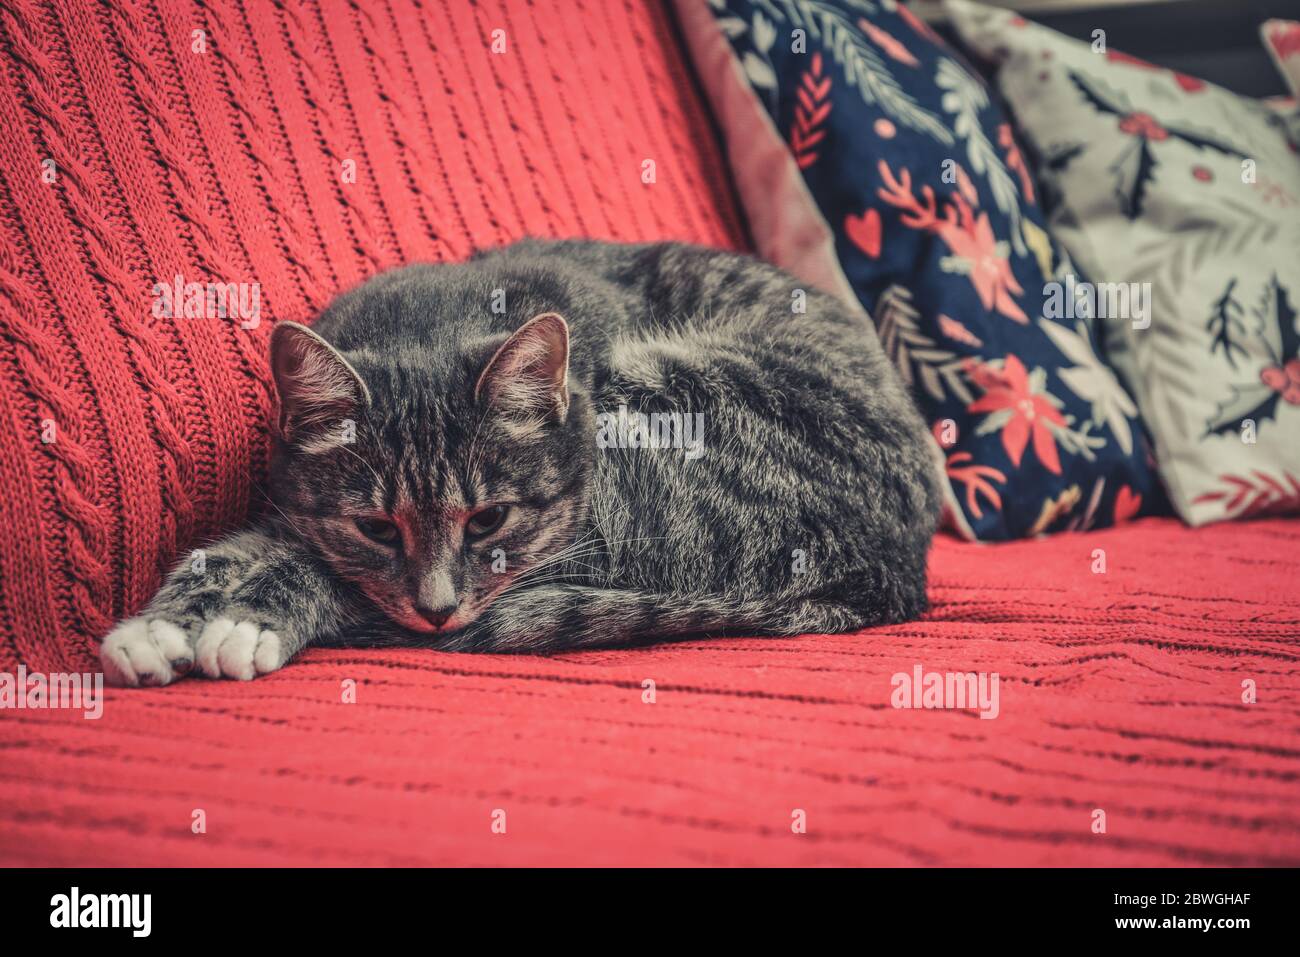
[1020, 409]
[976, 252]
[935, 214]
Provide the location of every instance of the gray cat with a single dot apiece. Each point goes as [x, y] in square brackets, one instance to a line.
[563, 445]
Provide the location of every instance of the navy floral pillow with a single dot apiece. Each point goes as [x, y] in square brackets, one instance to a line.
[938, 231]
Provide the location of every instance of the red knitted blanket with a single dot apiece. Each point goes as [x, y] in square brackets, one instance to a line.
[1118, 692]
[304, 146]
[300, 147]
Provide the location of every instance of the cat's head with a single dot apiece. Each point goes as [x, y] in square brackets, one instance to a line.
[431, 483]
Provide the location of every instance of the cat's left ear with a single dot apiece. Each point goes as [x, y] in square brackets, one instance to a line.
[528, 376]
[317, 386]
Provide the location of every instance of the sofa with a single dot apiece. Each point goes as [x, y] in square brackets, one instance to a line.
[1147, 672]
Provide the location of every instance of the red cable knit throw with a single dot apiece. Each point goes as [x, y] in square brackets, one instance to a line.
[226, 155]
[300, 147]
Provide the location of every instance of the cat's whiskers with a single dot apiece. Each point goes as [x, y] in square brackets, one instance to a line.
[572, 555]
[270, 501]
[474, 456]
[568, 555]
[379, 480]
[581, 547]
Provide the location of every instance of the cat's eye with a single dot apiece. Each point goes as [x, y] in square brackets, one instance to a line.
[486, 521]
[378, 530]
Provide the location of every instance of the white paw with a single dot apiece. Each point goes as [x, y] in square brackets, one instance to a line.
[144, 651]
[243, 650]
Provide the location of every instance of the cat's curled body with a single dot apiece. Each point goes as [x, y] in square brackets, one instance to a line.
[444, 475]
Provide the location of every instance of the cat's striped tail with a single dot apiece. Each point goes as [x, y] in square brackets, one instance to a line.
[555, 617]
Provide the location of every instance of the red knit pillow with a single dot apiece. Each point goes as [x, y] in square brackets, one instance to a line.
[292, 152]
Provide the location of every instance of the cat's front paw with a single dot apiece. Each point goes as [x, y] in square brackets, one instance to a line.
[239, 649]
[146, 651]
[149, 651]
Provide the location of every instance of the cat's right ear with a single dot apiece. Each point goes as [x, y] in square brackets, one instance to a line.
[528, 377]
[318, 387]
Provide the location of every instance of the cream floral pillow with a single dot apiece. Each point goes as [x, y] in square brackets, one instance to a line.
[1181, 201]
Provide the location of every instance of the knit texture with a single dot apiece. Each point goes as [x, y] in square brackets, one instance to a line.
[1119, 691]
[299, 146]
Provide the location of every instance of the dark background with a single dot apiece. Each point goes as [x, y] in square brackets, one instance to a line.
[1215, 40]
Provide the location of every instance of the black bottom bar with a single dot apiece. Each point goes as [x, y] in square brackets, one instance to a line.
[1223, 908]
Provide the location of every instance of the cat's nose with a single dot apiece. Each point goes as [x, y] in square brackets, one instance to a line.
[435, 616]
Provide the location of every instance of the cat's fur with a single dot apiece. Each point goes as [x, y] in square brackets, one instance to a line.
[811, 508]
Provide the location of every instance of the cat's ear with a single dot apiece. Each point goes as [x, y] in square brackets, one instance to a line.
[528, 377]
[317, 386]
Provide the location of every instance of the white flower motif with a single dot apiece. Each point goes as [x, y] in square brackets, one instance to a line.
[1093, 381]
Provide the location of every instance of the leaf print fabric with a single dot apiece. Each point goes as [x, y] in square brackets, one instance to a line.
[1164, 180]
[937, 231]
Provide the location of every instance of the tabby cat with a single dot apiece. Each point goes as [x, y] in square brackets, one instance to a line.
[563, 444]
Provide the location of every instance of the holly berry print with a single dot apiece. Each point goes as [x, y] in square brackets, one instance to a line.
[1164, 182]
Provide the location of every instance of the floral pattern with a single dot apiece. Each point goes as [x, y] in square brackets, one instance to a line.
[1160, 180]
[938, 230]
[1021, 409]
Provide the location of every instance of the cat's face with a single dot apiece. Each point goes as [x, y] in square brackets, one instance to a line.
[432, 491]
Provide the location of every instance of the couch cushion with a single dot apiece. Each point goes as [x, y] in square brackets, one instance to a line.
[291, 150]
[873, 162]
[1188, 194]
